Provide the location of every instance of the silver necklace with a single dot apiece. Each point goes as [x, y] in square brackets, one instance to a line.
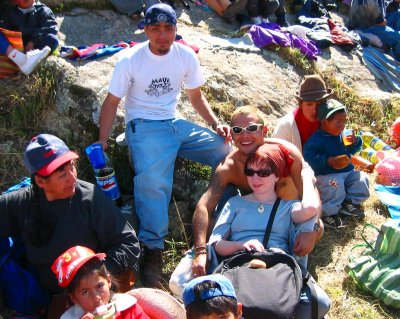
[260, 207]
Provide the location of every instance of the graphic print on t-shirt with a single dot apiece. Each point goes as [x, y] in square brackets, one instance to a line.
[159, 87]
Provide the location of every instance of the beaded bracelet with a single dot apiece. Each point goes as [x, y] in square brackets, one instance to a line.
[198, 253]
[200, 248]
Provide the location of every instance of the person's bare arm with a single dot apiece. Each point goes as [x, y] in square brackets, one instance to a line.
[201, 105]
[226, 247]
[202, 217]
[107, 116]
[310, 203]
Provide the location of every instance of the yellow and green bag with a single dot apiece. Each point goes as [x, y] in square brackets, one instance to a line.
[377, 270]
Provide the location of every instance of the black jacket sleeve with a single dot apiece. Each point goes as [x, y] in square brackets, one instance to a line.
[116, 236]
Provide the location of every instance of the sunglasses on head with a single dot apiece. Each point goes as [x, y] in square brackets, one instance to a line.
[261, 172]
[252, 128]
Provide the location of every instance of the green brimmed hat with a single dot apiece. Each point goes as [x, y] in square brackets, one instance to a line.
[326, 109]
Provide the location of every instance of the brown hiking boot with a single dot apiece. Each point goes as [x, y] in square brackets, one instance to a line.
[152, 267]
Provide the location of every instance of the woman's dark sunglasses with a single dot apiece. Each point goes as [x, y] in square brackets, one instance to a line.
[261, 172]
[252, 128]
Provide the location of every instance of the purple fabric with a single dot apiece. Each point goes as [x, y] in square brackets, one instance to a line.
[271, 33]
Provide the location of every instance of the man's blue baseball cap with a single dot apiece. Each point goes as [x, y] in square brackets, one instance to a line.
[157, 13]
[45, 153]
[225, 289]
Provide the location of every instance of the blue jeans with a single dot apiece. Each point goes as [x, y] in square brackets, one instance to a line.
[4, 44]
[335, 188]
[393, 19]
[154, 147]
[388, 36]
[304, 308]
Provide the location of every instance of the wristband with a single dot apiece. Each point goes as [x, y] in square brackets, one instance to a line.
[198, 253]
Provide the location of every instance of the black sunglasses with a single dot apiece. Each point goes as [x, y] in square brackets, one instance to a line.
[261, 172]
[252, 128]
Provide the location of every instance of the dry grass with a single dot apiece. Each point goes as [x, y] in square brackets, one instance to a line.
[331, 255]
[24, 103]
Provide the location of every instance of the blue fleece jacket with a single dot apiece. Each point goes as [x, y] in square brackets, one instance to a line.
[322, 145]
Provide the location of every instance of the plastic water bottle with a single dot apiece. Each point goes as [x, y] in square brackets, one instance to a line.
[374, 142]
[370, 155]
[104, 173]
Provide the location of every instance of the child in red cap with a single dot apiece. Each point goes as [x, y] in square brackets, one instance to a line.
[89, 286]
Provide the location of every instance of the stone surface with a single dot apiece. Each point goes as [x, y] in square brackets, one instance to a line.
[262, 79]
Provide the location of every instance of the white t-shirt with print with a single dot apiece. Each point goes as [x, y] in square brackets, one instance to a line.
[152, 83]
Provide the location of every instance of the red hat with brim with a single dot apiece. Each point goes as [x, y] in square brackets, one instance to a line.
[66, 265]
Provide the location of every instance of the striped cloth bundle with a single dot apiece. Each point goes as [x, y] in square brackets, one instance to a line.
[7, 67]
[378, 269]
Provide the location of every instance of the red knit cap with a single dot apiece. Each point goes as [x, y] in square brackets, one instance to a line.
[272, 156]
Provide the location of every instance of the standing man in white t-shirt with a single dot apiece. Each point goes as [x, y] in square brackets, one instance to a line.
[150, 76]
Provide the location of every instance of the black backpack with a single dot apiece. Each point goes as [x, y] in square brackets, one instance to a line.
[271, 292]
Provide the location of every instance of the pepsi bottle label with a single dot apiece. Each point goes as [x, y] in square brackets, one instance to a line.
[109, 185]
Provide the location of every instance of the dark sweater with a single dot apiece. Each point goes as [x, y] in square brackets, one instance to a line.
[33, 25]
[89, 218]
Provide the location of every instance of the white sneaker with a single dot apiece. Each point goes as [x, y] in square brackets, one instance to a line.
[33, 58]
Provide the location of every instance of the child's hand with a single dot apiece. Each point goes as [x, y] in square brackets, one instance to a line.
[338, 162]
[87, 316]
[253, 244]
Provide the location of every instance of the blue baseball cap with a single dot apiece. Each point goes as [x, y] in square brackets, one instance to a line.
[225, 289]
[45, 153]
[157, 13]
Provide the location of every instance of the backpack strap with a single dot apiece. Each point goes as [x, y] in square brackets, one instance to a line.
[271, 221]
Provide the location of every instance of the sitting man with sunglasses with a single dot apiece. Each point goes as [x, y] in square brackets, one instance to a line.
[248, 133]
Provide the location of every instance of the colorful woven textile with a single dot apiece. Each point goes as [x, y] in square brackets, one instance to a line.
[98, 50]
[7, 67]
[378, 269]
